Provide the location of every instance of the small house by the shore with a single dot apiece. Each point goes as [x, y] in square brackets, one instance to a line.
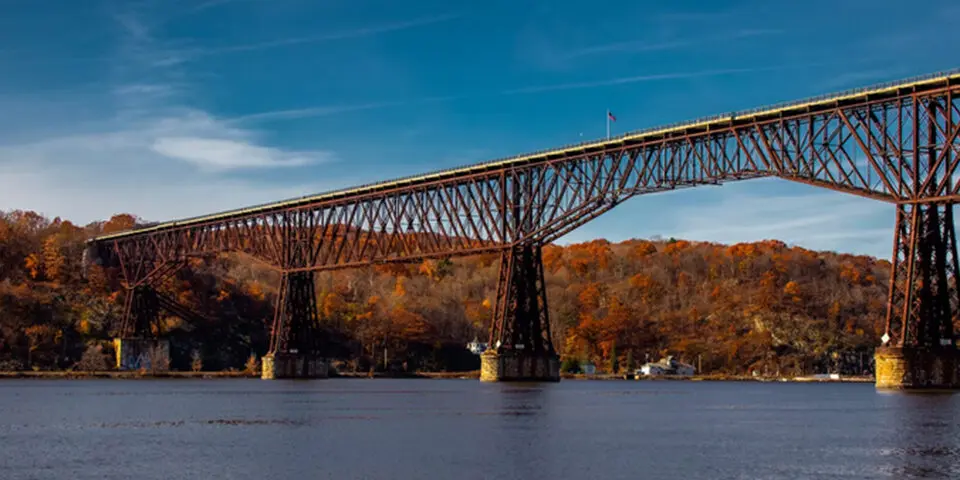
[476, 346]
[667, 366]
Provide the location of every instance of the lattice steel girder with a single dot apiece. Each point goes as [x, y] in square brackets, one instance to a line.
[295, 328]
[141, 312]
[871, 147]
[521, 320]
[142, 302]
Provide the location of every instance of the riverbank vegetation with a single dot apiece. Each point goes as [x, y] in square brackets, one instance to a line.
[732, 309]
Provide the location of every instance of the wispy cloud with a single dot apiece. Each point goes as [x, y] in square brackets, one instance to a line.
[208, 5]
[653, 77]
[132, 25]
[157, 166]
[752, 211]
[555, 44]
[818, 220]
[140, 146]
[342, 35]
[640, 46]
[145, 89]
[635, 46]
[859, 77]
[214, 154]
[170, 13]
[322, 111]
[306, 112]
[193, 137]
[71, 193]
[175, 53]
[694, 17]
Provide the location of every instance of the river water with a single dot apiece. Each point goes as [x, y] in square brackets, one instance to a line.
[463, 429]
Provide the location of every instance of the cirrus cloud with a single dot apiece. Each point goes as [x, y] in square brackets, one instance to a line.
[221, 154]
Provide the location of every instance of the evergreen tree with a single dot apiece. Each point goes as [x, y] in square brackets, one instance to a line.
[614, 364]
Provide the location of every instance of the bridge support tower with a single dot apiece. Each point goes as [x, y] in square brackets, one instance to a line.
[520, 347]
[919, 346]
[295, 339]
[139, 345]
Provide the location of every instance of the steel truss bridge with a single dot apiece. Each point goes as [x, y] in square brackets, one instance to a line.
[896, 143]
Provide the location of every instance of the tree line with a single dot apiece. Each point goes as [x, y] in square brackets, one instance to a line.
[761, 307]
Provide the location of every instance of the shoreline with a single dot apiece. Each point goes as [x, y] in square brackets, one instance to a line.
[471, 375]
[120, 375]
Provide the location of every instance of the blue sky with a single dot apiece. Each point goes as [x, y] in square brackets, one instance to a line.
[171, 108]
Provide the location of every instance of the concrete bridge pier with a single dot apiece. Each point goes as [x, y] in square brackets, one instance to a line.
[519, 367]
[917, 368]
[293, 365]
[142, 353]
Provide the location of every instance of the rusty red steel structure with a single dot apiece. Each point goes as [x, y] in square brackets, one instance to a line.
[896, 143]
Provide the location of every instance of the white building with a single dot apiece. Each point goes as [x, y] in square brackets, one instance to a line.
[477, 347]
[651, 369]
[667, 366]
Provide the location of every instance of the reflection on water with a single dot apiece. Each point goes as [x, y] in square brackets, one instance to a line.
[521, 425]
[463, 429]
[926, 432]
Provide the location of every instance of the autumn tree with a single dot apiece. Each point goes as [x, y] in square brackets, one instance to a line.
[119, 223]
[752, 306]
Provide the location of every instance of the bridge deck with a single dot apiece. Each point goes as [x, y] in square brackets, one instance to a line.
[922, 83]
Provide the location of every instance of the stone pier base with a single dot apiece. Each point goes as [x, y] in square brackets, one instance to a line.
[917, 368]
[519, 367]
[292, 365]
[142, 353]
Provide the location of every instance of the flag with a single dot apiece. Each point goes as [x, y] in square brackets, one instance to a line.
[610, 115]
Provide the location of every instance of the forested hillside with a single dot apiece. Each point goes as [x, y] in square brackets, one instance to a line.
[760, 306]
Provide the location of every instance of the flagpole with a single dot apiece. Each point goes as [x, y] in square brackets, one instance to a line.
[608, 124]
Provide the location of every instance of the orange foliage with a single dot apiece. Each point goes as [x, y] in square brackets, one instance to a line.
[409, 325]
[477, 313]
[743, 250]
[642, 249]
[331, 304]
[34, 264]
[119, 223]
[436, 270]
[552, 258]
[676, 247]
[590, 296]
[735, 306]
[792, 290]
[255, 290]
[588, 258]
[398, 289]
